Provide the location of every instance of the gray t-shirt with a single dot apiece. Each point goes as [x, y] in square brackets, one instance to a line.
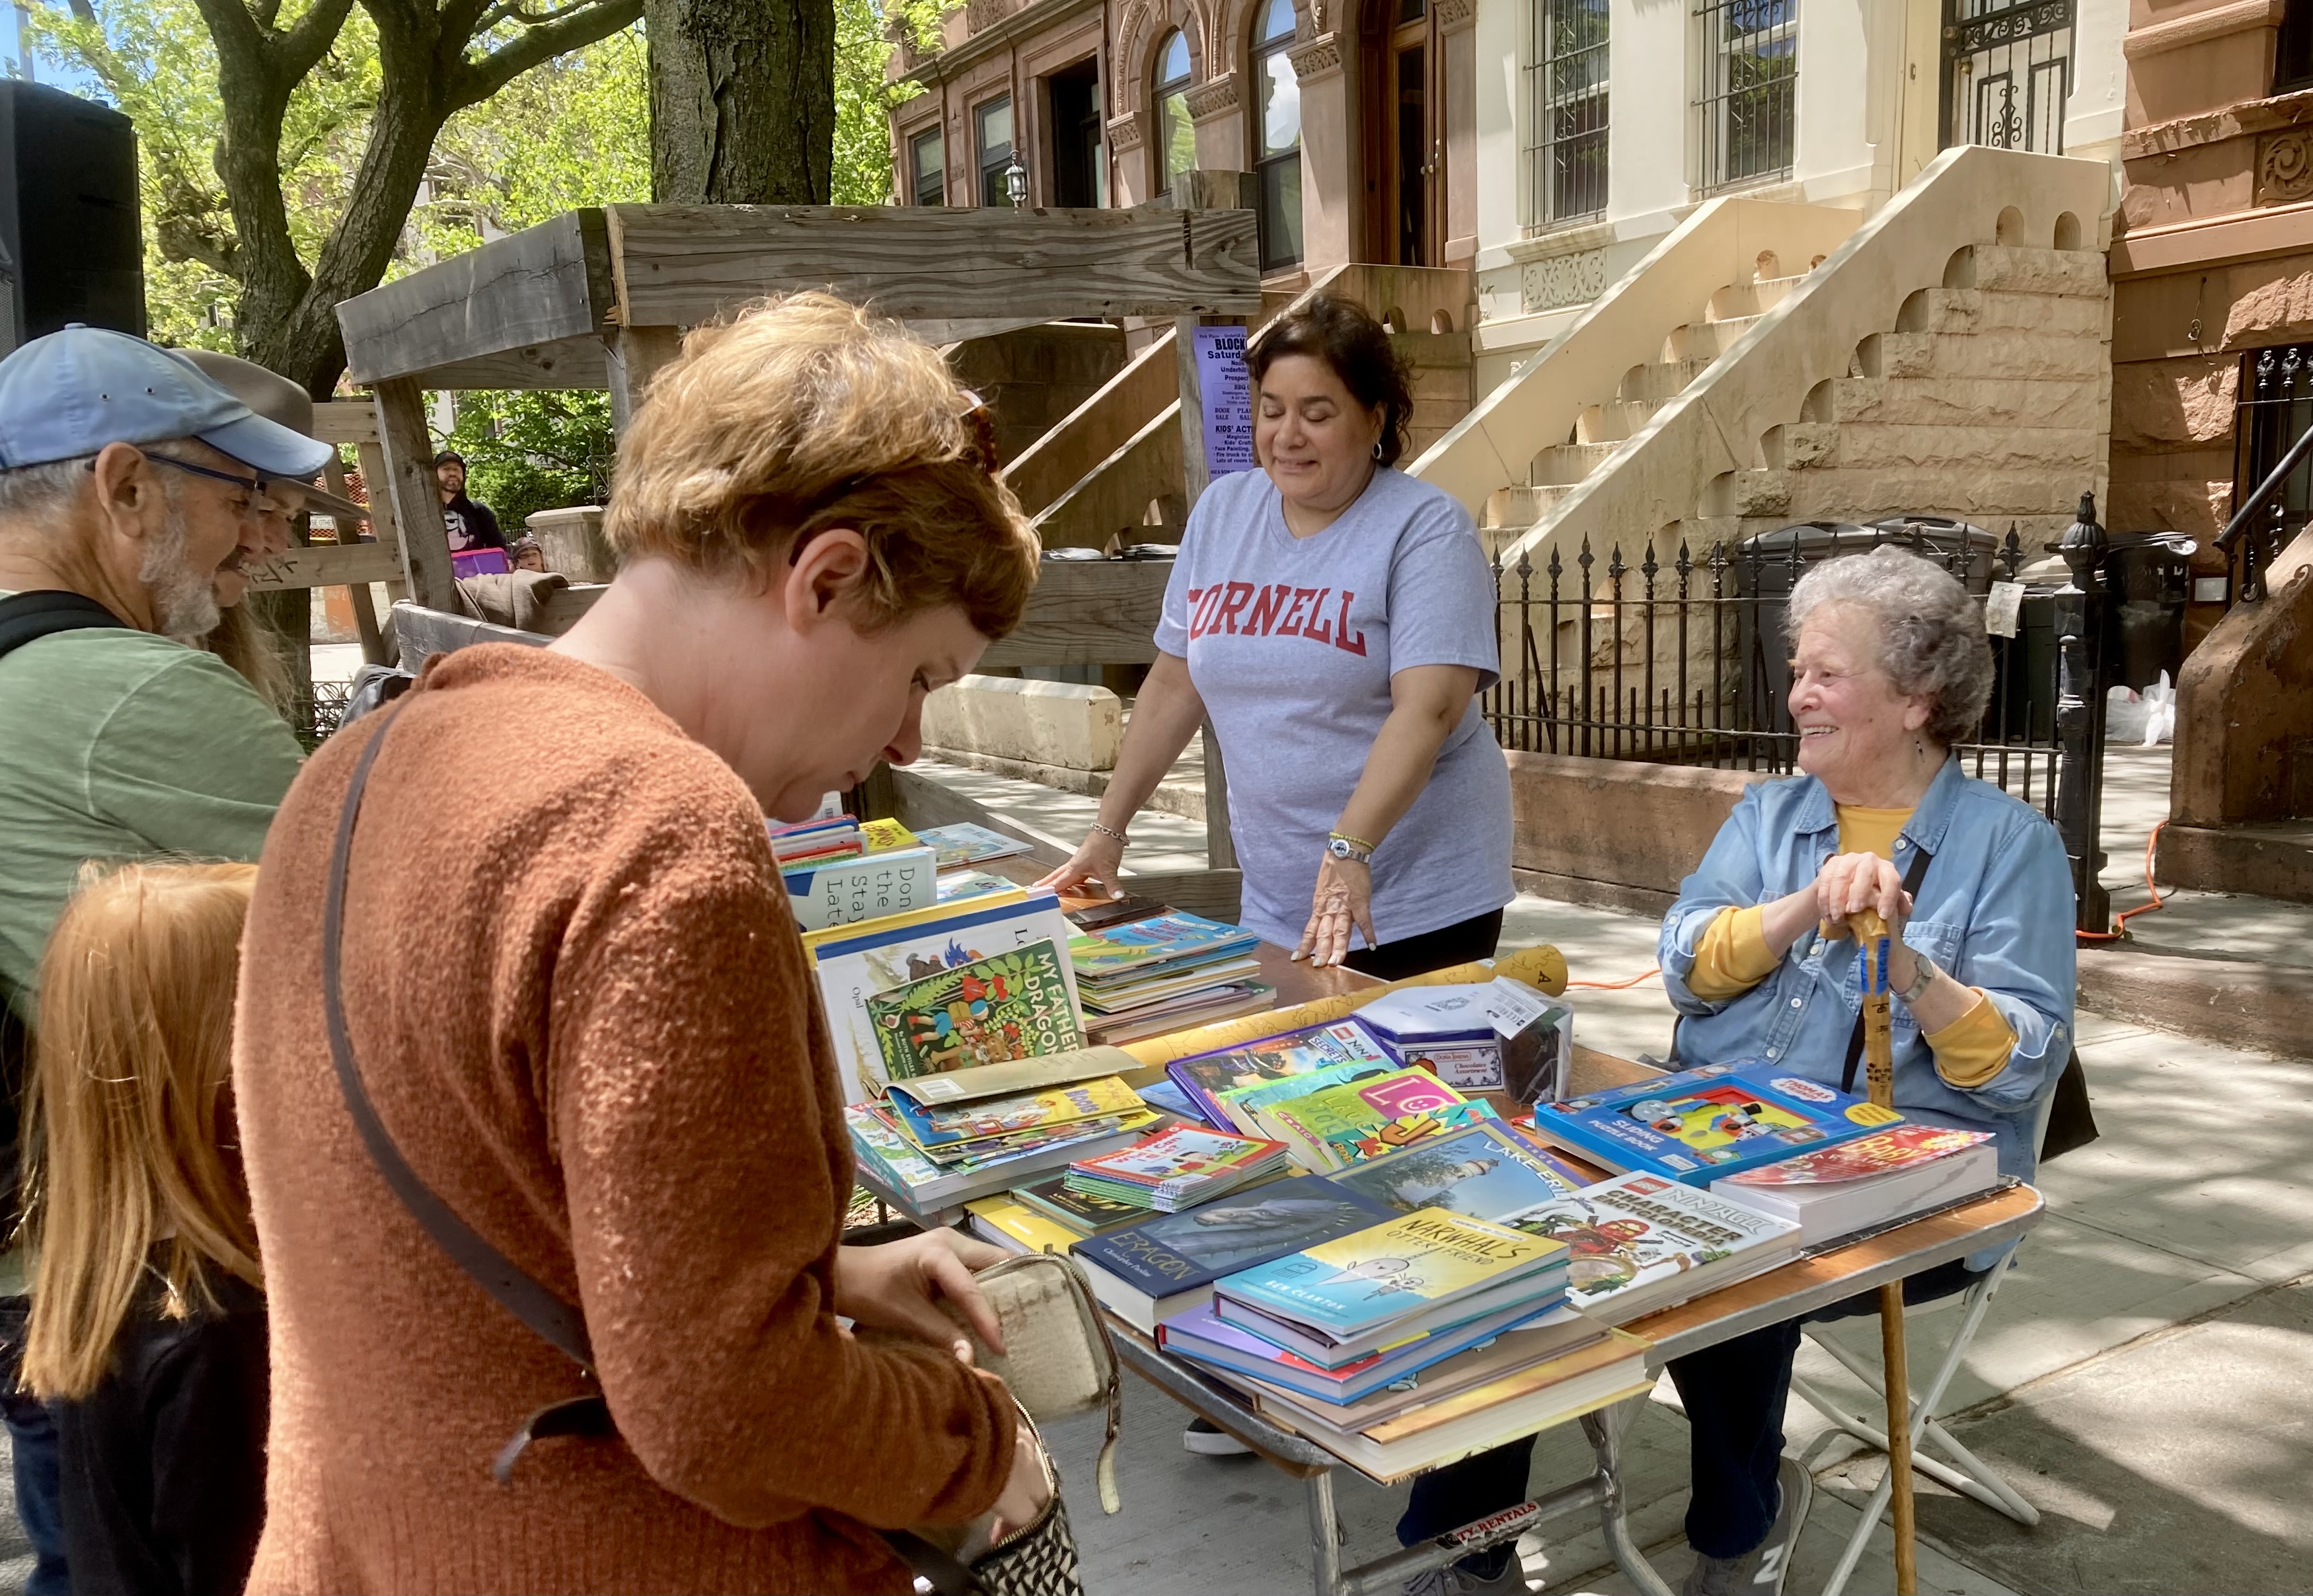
[1291, 642]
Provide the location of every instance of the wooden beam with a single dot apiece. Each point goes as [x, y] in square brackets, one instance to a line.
[345, 421]
[326, 565]
[567, 363]
[633, 356]
[548, 282]
[683, 265]
[1220, 842]
[409, 451]
[424, 632]
[1091, 612]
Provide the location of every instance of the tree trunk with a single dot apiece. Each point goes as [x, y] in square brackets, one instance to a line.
[742, 101]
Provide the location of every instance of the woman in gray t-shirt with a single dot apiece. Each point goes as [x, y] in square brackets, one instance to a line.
[1335, 620]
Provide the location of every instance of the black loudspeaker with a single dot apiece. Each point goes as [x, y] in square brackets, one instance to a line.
[71, 246]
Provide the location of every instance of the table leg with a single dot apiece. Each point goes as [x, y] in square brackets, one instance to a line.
[1605, 1428]
[1326, 1535]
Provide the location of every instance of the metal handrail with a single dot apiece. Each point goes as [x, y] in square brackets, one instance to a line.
[2265, 489]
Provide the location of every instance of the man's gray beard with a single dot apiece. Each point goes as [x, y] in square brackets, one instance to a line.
[184, 600]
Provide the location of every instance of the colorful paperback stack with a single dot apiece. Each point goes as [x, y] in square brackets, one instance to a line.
[947, 1138]
[1412, 1278]
[1704, 1123]
[1164, 1267]
[1178, 1169]
[1203, 1336]
[1358, 1120]
[1170, 971]
[1210, 1078]
[1640, 1242]
[809, 842]
[897, 1169]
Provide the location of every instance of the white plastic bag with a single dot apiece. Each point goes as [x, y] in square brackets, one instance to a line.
[2160, 713]
[2124, 714]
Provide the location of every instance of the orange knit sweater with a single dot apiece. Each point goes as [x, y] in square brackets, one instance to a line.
[578, 1000]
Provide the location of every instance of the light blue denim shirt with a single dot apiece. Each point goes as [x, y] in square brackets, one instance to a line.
[1994, 910]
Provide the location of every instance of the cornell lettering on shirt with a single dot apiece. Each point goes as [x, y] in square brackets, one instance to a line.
[1274, 610]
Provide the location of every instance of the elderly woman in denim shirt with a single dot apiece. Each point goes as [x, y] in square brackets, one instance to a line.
[1890, 668]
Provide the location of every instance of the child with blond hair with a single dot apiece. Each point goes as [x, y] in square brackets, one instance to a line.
[147, 1330]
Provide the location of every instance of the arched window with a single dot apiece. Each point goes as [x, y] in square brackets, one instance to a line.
[1176, 136]
[1278, 136]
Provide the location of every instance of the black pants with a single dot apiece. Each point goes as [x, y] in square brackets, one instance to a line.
[1455, 944]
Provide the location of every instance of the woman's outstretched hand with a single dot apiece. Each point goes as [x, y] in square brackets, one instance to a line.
[899, 1286]
[1097, 863]
[1343, 898]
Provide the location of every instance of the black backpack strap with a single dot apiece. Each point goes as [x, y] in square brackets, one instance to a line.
[28, 617]
[553, 1321]
[1921, 859]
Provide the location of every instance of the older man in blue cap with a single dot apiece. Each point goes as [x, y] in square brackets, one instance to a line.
[130, 483]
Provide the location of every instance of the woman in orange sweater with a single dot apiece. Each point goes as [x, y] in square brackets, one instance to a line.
[576, 997]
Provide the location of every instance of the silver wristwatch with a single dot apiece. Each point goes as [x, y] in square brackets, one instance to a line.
[1924, 974]
[1342, 848]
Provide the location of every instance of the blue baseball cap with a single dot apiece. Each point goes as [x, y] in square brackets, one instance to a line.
[73, 391]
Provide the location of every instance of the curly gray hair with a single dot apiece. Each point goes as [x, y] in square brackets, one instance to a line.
[1931, 631]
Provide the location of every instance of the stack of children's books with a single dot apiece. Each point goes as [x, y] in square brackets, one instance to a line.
[941, 1140]
[840, 871]
[1178, 1169]
[1167, 971]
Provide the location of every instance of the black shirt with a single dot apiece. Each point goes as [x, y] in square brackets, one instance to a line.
[163, 1464]
[471, 525]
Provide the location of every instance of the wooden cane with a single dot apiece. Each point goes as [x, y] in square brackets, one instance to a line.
[1879, 1073]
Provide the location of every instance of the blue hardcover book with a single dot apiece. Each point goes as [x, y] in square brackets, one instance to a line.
[1167, 1264]
[1704, 1124]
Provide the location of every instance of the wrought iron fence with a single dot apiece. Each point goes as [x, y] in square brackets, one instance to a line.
[2272, 417]
[2008, 72]
[1686, 663]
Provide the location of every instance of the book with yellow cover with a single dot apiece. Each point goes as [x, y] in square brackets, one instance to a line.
[881, 836]
[1414, 1264]
[1013, 1226]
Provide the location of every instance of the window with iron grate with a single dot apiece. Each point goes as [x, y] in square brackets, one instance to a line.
[1745, 114]
[1565, 112]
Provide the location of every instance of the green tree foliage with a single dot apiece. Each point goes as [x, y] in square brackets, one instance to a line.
[539, 450]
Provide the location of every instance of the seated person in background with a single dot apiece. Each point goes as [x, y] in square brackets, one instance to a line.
[527, 556]
[1890, 667]
[471, 525]
[147, 1333]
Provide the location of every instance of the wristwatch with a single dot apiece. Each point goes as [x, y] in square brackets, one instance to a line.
[1924, 974]
[1349, 848]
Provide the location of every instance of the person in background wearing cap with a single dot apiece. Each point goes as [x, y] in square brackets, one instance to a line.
[131, 485]
[471, 525]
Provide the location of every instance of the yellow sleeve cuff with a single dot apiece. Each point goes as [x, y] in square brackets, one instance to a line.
[1973, 1048]
[1732, 956]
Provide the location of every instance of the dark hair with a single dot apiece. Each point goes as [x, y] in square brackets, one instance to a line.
[1356, 347]
[448, 455]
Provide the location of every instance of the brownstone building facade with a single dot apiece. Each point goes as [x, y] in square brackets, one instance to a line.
[2213, 267]
[1354, 116]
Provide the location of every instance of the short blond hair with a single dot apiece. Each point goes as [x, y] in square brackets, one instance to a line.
[805, 413]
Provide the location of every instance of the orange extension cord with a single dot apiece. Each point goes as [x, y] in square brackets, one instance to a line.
[2120, 921]
[2119, 926]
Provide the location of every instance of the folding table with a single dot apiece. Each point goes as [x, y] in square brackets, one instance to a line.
[1813, 1282]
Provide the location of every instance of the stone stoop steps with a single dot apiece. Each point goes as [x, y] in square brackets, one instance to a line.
[1989, 400]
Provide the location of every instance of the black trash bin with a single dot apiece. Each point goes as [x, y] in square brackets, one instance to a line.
[2147, 578]
[1767, 564]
